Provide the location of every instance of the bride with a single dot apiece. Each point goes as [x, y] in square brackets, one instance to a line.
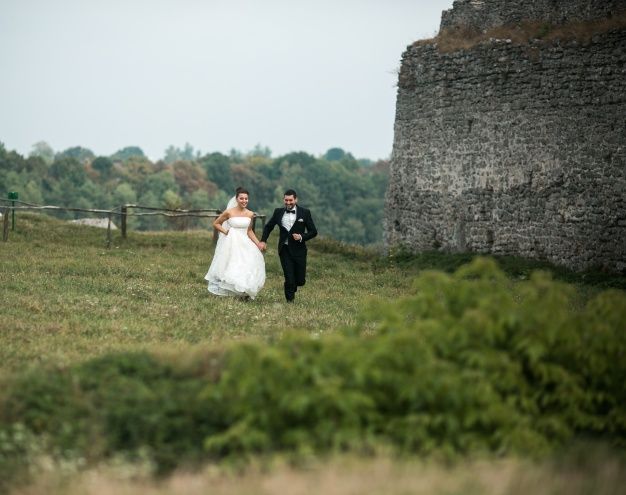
[238, 267]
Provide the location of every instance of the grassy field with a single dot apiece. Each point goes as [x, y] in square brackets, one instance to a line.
[67, 298]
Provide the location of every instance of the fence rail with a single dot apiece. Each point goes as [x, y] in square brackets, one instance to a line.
[11, 206]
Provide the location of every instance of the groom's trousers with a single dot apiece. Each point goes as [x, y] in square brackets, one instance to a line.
[294, 270]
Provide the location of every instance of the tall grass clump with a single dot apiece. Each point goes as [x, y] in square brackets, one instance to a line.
[467, 363]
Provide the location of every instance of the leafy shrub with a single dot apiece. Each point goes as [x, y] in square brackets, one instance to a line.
[469, 362]
[559, 370]
[19, 449]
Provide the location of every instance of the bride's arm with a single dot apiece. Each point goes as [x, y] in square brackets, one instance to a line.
[251, 233]
[220, 220]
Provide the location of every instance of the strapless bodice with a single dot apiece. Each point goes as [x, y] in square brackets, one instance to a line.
[239, 222]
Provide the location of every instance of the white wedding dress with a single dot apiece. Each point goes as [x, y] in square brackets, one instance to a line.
[238, 267]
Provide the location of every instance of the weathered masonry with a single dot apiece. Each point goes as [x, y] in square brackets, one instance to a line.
[511, 147]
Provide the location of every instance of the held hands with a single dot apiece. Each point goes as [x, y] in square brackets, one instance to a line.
[263, 246]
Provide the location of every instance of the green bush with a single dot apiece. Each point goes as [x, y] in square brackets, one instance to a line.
[470, 362]
[558, 369]
[19, 452]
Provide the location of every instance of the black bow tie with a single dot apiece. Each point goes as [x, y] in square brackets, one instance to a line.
[290, 211]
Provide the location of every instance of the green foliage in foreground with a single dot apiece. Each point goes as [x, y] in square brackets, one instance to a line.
[468, 363]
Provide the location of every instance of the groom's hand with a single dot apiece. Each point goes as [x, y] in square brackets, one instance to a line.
[297, 237]
[262, 246]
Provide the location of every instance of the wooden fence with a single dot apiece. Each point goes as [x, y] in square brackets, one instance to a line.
[123, 212]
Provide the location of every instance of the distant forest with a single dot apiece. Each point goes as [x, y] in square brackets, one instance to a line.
[345, 194]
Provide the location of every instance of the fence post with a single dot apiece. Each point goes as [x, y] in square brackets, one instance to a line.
[109, 231]
[5, 225]
[13, 195]
[123, 221]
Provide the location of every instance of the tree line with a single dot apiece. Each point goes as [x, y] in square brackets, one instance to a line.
[345, 194]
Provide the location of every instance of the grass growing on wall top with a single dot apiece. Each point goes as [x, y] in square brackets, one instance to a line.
[460, 38]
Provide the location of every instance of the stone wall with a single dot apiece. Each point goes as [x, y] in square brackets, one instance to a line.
[481, 15]
[513, 149]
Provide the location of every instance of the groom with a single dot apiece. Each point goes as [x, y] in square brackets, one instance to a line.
[296, 227]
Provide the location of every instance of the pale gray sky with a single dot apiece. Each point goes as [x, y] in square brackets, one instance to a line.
[293, 75]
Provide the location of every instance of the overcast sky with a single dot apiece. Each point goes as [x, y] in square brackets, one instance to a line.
[292, 75]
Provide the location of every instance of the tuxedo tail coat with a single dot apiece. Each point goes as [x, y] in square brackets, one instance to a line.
[303, 225]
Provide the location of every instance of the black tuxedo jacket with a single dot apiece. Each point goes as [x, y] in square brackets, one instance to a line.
[303, 225]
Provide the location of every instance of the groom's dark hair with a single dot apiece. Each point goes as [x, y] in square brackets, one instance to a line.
[290, 192]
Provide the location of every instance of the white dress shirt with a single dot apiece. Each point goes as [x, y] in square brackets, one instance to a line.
[288, 220]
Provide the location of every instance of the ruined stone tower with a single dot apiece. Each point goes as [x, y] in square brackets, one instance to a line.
[510, 134]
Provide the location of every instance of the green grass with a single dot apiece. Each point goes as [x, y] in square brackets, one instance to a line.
[67, 298]
[519, 269]
[523, 354]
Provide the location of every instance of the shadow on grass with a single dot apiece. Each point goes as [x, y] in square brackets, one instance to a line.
[514, 267]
